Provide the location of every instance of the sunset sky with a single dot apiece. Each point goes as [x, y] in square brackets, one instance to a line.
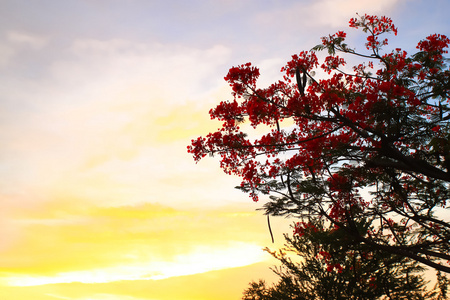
[98, 101]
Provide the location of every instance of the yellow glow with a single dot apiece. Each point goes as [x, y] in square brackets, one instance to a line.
[202, 260]
[70, 241]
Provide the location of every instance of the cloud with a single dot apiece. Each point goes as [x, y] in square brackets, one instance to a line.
[336, 13]
[104, 102]
[66, 243]
[18, 45]
[221, 285]
[300, 24]
[6, 53]
[204, 259]
[23, 38]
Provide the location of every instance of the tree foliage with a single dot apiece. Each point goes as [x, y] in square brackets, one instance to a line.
[316, 264]
[379, 127]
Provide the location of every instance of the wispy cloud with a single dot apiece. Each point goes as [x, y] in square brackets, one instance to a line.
[101, 244]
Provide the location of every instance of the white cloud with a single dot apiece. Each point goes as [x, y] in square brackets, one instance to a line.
[24, 38]
[337, 13]
[104, 69]
[89, 128]
[303, 21]
[14, 41]
[6, 53]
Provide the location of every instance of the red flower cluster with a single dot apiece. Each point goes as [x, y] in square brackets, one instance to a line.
[301, 227]
[305, 61]
[435, 45]
[326, 256]
[242, 77]
[343, 118]
[374, 24]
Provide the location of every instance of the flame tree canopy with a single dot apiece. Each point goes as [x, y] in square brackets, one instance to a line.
[380, 127]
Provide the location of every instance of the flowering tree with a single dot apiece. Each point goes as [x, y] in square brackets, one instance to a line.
[380, 127]
[316, 264]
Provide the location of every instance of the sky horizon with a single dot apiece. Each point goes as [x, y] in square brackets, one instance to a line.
[99, 100]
